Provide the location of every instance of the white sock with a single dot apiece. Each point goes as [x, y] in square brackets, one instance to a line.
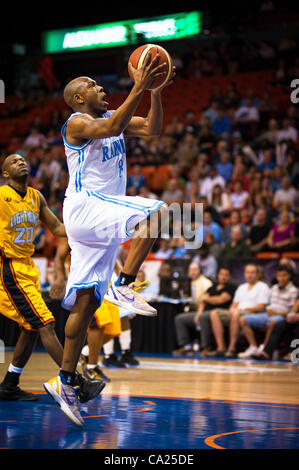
[91, 366]
[108, 348]
[125, 340]
[17, 370]
[85, 350]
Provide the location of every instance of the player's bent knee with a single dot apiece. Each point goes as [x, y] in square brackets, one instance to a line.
[47, 329]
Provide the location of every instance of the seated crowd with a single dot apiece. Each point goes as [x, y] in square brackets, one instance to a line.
[250, 319]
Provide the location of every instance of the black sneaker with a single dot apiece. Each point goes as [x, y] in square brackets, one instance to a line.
[87, 389]
[113, 362]
[128, 358]
[14, 393]
[96, 374]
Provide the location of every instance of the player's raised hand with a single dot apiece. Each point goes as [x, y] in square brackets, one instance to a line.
[150, 70]
[169, 82]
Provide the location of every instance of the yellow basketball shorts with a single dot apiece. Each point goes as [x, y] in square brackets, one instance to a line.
[107, 317]
[20, 293]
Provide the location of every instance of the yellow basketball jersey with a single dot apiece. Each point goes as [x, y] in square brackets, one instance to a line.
[18, 220]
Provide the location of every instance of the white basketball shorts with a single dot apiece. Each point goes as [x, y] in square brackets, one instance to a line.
[96, 224]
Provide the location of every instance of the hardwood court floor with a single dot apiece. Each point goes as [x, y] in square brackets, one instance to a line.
[165, 403]
[185, 378]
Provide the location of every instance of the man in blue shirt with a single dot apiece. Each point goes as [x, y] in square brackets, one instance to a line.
[225, 166]
[222, 125]
[209, 225]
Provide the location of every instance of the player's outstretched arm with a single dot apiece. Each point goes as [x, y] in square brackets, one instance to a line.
[49, 219]
[85, 126]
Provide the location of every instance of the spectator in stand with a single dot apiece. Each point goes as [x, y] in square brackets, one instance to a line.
[190, 123]
[225, 166]
[260, 201]
[184, 322]
[202, 165]
[220, 200]
[236, 143]
[258, 234]
[164, 251]
[234, 220]
[145, 192]
[240, 173]
[268, 162]
[209, 225]
[207, 262]
[270, 135]
[283, 296]
[35, 139]
[193, 179]
[238, 196]
[187, 150]
[246, 114]
[276, 178]
[214, 247]
[287, 132]
[251, 297]
[211, 111]
[136, 179]
[206, 137]
[210, 181]
[281, 236]
[178, 248]
[222, 125]
[173, 193]
[236, 248]
[286, 195]
[175, 127]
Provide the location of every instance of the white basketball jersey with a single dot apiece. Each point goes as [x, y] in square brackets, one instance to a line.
[97, 165]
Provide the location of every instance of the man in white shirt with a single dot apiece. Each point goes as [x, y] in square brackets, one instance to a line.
[288, 132]
[210, 181]
[283, 296]
[250, 297]
[247, 113]
[286, 195]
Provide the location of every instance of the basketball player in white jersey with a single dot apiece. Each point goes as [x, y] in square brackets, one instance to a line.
[97, 214]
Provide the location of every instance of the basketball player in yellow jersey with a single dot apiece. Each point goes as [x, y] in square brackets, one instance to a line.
[105, 323]
[20, 296]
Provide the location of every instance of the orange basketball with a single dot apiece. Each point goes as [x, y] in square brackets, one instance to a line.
[137, 60]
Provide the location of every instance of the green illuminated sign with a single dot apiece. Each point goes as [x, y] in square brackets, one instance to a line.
[176, 26]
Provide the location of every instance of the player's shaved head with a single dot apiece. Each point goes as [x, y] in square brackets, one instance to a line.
[84, 95]
[15, 168]
[8, 160]
[73, 88]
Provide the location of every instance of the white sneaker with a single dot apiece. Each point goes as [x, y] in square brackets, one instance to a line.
[66, 398]
[249, 352]
[127, 298]
[260, 349]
